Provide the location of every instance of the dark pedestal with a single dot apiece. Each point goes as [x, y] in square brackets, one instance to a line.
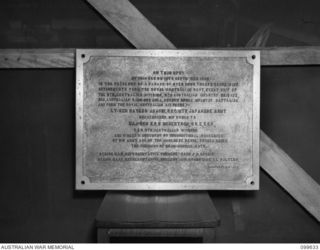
[157, 214]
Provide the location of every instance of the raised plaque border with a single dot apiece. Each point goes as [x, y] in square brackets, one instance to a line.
[252, 182]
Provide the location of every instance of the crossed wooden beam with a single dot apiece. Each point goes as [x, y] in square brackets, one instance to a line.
[143, 35]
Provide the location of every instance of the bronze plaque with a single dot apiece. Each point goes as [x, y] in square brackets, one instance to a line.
[167, 119]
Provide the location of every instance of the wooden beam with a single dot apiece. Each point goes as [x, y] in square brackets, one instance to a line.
[279, 165]
[284, 56]
[276, 163]
[131, 24]
[290, 56]
[290, 175]
[37, 58]
[64, 58]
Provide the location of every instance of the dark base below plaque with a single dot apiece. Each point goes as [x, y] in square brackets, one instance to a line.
[157, 217]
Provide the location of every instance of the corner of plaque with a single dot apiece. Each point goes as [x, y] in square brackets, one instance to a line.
[83, 56]
[82, 182]
[252, 182]
[253, 57]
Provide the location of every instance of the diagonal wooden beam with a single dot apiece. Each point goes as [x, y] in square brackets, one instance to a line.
[131, 24]
[290, 175]
[273, 159]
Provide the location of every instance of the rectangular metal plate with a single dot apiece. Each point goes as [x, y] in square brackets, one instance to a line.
[167, 119]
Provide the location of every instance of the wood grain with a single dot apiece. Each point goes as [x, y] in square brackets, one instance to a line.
[65, 58]
[131, 24]
[290, 175]
[290, 56]
[37, 58]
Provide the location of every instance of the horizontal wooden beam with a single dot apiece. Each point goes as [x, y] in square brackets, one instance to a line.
[290, 56]
[37, 58]
[290, 175]
[65, 58]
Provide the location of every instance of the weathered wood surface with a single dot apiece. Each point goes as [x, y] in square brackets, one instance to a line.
[65, 58]
[275, 162]
[290, 56]
[290, 175]
[131, 24]
[37, 58]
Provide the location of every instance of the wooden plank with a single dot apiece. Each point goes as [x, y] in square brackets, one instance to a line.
[269, 161]
[37, 58]
[64, 58]
[284, 56]
[131, 24]
[290, 175]
[290, 56]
